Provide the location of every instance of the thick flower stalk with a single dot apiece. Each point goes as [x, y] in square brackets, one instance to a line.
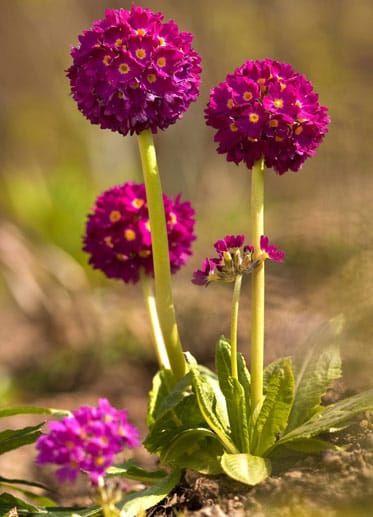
[118, 239]
[87, 441]
[266, 115]
[132, 71]
[267, 110]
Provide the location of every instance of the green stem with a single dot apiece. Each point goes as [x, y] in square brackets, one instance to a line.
[161, 260]
[257, 286]
[151, 307]
[234, 321]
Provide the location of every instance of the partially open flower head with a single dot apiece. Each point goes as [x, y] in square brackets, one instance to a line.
[118, 233]
[235, 258]
[87, 441]
[133, 71]
[266, 109]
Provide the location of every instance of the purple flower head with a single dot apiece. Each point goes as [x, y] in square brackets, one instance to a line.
[86, 441]
[266, 109]
[235, 258]
[132, 71]
[118, 237]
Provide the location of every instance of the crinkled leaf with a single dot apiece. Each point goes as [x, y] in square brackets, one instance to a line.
[274, 413]
[196, 449]
[246, 468]
[129, 470]
[236, 393]
[331, 417]
[12, 439]
[182, 415]
[320, 368]
[138, 502]
[213, 407]
[162, 386]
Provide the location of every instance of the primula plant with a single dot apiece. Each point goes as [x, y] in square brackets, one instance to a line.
[134, 73]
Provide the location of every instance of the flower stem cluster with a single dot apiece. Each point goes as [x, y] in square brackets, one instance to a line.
[235, 259]
[86, 441]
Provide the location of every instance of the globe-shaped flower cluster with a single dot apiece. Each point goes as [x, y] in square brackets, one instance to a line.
[132, 71]
[86, 441]
[266, 109]
[118, 236]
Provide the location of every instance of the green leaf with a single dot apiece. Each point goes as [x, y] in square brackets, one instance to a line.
[273, 416]
[24, 410]
[8, 501]
[331, 417]
[222, 363]
[132, 471]
[138, 502]
[320, 368]
[237, 395]
[182, 414]
[246, 468]
[162, 385]
[212, 405]
[4, 480]
[196, 449]
[41, 500]
[12, 439]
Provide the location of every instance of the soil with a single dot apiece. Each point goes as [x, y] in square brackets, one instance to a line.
[333, 484]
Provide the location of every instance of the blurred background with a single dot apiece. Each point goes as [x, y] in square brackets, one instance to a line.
[67, 334]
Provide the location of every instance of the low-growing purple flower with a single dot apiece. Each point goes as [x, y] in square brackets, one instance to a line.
[235, 258]
[132, 71]
[266, 109]
[86, 441]
[118, 234]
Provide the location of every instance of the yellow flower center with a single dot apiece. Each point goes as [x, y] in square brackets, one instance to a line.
[298, 130]
[173, 218]
[144, 253]
[254, 117]
[278, 139]
[230, 103]
[137, 203]
[161, 62]
[151, 78]
[247, 96]
[141, 32]
[124, 68]
[109, 241]
[162, 41]
[129, 234]
[140, 53]
[278, 103]
[233, 127]
[115, 216]
[119, 42]
[273, 123]
[106, 60]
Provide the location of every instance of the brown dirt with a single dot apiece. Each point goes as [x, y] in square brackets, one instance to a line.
[330, 485]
